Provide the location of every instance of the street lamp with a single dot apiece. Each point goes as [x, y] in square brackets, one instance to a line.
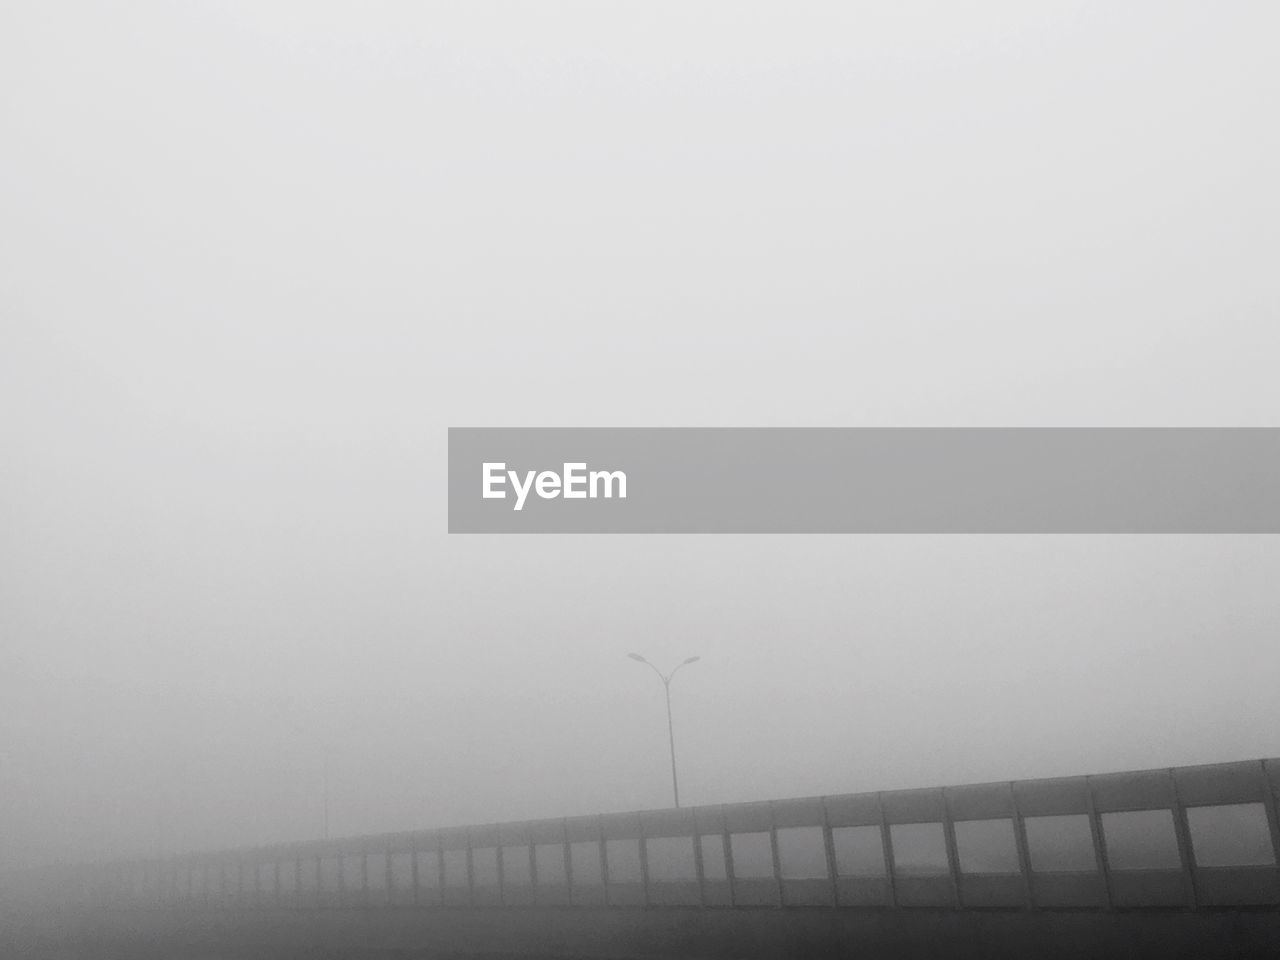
[671, 733]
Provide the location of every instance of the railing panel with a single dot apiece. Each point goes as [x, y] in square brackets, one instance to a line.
[984, 801]
[1141, 840]
[755, 893]
[914, 806]
[1069, 890]
[807, 893]
[798, 813]
[852, 811]
[586, 863]
[1055, 797]
[1231, 835]
[752, 855]
[709, 820]
[716, 891]
[919, 850]
[377, 878]
[625, 874]
[264, 885]
[1185, 837]
[309, 879]
[401, 892]
[671, 859]
[288, 884]
[352, 880]
[674, 893]
[1148, 888]
[859, 851]
[485, 890]
[457, 877]
[517, 875]
[621, 826]
[1061, 843]
[1238, 887]
[802, 853]
[330, 881]
[1220, 783]
[863, 892]
[986, 892]
[1143, 790]
[430, 870]
[551, 873]
[582, 828]
[748, 817]
[924, 891]
[987, 847]
[668, 823]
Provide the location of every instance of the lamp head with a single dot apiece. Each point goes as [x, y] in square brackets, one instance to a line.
[636, 657]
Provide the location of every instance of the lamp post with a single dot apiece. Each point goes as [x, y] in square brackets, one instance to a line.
[671, 731]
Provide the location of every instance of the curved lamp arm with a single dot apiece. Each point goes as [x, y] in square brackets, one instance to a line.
[664, 677]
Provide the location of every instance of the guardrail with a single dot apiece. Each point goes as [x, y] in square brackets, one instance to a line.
[1199, 837]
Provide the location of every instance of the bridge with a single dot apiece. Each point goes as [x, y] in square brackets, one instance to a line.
[1161, 863]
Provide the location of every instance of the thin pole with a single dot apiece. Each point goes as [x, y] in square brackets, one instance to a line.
[671, 735]
[671, 729]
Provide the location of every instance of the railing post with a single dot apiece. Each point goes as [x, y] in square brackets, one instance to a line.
[699, 871]
[1099, 843]
[501, 857]
[829, 847]
[471, 879]
[568, 860]
[1269, 798]
[391, 876]
[440, 866]
[1182, 832]
[730, 872]
[644, 865]
[532, 849]
[415, 897]
[777, 859]
[953, 852]
[604, 858]
[1024, 848]
[886, 840]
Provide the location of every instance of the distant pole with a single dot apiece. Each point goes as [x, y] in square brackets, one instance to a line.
[671, 736]
[671, 730]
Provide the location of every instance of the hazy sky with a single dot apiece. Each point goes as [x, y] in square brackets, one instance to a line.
[255, 258]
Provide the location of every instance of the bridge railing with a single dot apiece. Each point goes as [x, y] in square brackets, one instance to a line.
[1189, 837]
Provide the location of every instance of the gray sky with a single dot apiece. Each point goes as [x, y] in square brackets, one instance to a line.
[255, 258]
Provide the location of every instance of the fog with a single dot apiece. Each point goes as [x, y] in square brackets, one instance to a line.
[257, 257]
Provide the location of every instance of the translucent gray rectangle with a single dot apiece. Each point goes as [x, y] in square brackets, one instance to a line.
[829, 480]
[1231, 835]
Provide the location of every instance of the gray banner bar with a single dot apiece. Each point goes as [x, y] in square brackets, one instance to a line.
[831, 480]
